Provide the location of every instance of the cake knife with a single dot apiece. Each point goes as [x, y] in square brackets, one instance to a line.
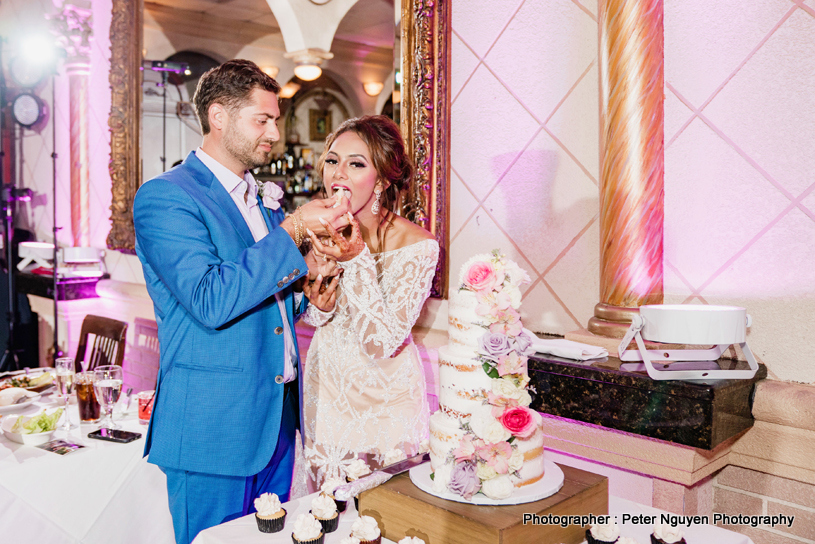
[379, 477]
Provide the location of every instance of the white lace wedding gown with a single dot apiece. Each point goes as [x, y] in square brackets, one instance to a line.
[364, 385]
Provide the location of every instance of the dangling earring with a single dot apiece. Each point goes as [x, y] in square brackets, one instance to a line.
[376, 206]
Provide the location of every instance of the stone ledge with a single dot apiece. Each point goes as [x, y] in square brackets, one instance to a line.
[784, 403]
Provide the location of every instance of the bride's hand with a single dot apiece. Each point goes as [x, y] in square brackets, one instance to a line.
[342, 250]
[319, 264]
[322, 295]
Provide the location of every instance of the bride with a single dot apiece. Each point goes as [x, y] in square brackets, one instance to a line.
[364, 385]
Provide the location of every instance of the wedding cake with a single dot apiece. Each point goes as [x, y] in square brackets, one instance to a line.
[484, 437]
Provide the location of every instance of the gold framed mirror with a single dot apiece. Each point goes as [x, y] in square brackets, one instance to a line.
[425, 119]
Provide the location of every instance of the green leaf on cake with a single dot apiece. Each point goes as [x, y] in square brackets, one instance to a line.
[490, 370]
[432, 475]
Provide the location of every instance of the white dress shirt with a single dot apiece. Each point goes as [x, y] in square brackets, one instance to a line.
[244, 192]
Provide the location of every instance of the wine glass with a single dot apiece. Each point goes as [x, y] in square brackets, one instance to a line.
[64, 371]
[108, 387]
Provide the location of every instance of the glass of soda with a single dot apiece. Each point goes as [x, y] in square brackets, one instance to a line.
[86, 398]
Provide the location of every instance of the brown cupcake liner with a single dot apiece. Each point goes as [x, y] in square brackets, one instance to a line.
[377, 540]
[272, 525]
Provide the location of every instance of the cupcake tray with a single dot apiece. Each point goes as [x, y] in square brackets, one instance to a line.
[402, 509]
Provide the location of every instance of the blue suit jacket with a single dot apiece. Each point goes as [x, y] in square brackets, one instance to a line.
[218, 406]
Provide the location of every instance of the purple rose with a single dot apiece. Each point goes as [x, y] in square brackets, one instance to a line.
[464, 480]
[523, 342]
[494, 345]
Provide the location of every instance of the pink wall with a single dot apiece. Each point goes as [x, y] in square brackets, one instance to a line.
[739, 202]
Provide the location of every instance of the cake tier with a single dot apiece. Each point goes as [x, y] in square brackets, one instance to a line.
[465, 327]
[463, 384]
[445, 435]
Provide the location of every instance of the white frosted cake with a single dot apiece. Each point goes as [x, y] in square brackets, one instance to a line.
[484, 435]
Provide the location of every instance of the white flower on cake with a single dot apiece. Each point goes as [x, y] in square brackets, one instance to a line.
[330, 485]
[365, 528]
[267, 504]
[515, 274]
[441, 478]
[485, 472]
[516, 461]
[507, 388]
[356, 469]
[306, 527]
[411, 540]
[393, 456]
[497, 488]
[607, 532]
[323, 507]
[668, 534]
[486, 427]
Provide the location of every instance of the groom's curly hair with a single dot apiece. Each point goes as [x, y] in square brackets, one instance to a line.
[230, 85]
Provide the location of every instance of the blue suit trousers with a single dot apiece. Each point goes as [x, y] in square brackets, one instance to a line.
[199, 501]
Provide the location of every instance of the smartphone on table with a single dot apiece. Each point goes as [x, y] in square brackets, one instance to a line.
[114, 435]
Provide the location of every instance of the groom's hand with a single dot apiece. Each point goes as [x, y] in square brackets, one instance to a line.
[315, 215]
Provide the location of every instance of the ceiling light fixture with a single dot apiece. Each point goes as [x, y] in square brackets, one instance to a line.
[373, 88]
[271, 71]
[289, 89]
[308, 61]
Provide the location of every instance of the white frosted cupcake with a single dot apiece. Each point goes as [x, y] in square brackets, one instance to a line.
[603, 533]
[411, 540]
[349, 540]
[307, 530]
[328, 488]
[366, 530]
[665, 534]
[324, 509]
[270, 515]
[356, 470]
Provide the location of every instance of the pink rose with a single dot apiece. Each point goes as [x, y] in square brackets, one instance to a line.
[480, 276]
[519, 420]
[499, 404]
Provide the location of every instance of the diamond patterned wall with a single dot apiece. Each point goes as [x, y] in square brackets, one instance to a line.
[740, 171]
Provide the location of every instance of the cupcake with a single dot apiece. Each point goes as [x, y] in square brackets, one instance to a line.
[270, 515]
[307, 530]
[366, 530]
[356, 470]
[603, 533]
[328, 488]
[411, 540]
[349, 540]
[324, 509]
[665, 534]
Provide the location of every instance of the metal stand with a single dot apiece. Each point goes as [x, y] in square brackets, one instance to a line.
[690, 364]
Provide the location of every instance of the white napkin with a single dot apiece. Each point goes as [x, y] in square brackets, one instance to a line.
[560, 347]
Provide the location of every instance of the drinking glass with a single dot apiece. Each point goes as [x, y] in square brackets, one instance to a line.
[108, 386]
[86, 398]
[64, 371]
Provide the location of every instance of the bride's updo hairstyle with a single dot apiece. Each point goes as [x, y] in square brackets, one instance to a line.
[387, 149]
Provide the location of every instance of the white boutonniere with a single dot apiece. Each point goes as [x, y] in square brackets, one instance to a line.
[271, 193]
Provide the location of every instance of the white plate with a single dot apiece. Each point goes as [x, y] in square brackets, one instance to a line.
[34, 439]
[32, 398]
[547, 486]
[36, 388]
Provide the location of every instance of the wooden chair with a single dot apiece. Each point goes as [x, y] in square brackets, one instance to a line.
[108, 342]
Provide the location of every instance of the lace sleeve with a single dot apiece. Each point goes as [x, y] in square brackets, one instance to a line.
[316, 317]
[383, 314]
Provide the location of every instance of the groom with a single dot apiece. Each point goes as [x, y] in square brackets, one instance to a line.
[222, 267]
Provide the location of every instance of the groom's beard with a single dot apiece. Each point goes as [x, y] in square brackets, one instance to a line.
[246, 150]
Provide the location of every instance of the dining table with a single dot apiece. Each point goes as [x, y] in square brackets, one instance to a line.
[244, 530]
[101, 493]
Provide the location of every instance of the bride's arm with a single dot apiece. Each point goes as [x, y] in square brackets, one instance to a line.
[383, 326]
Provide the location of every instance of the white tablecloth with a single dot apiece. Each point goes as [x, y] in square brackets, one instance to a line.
[103, 493]
[245, 530]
